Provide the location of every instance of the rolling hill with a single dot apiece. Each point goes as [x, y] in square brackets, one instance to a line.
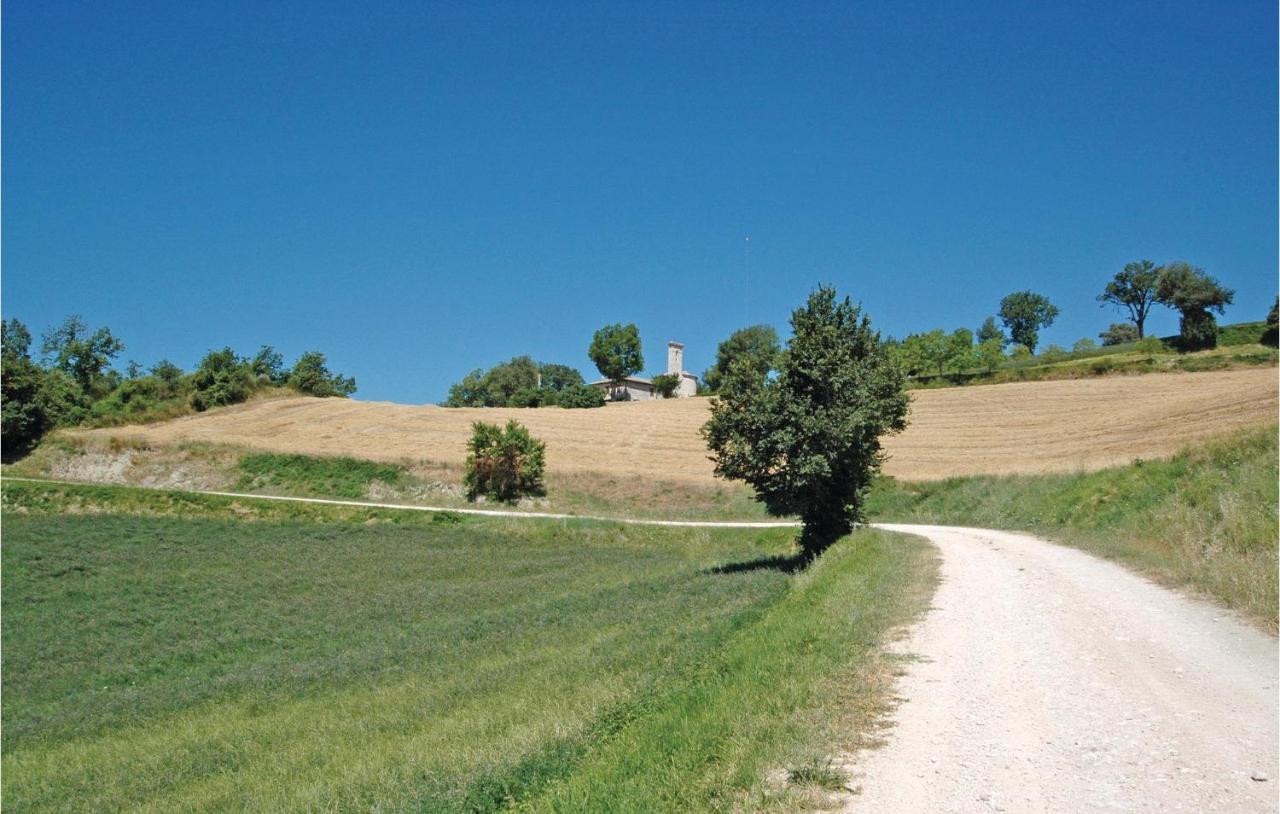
[1025, 427]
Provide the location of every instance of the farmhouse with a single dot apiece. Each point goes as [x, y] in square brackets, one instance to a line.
[635, 388]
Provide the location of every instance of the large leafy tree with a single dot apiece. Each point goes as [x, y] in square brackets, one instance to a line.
[989, 353]
[23, 419]
[808, 439]
[268, 365]
[559, 377]
[960, 354]
[615, 349]
[1024, 313]
[83, 355]
[505, 380]
[1271, 333]
[1133, 289]
[755, 347]
[1195, 295]
[990, 330]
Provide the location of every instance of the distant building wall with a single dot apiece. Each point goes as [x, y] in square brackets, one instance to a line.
[688, 385]
[675, 358]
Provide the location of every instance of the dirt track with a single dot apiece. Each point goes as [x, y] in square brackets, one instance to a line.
[996, 429]
[1051, 680]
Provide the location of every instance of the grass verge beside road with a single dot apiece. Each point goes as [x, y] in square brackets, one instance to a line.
[174, 651]
[1204, 520]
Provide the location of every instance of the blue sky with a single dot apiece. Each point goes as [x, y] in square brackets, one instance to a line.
[423, 189]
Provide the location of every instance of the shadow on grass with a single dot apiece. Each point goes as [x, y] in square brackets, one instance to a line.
[786, 564]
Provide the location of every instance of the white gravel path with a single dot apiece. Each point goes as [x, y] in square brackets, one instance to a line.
[1053, 681]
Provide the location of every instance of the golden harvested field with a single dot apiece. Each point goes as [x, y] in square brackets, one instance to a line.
[1026, 427]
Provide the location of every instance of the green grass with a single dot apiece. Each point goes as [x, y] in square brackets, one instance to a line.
[311, 475]
[168, 651]
[1205, 520]
[224, 467]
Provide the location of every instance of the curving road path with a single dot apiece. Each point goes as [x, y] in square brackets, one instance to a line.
[1049, 680]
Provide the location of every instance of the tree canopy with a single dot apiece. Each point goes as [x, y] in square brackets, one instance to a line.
[84, 356]
[808, 439]
[1133, 289]
[615, 350]
[756, 347]
[990, 330]
[1024, 313]
[1195, 294]
[515, 383]
[312, 376]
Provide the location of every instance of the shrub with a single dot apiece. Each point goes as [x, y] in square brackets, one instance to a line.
[1118, 334]
[1084, 345]
[1101, 366]
[1149, 344]
[581, 395]
[221, 378]
[23, 415]
[1053, 353]
[527, 397]
[311, 376]
[1019, 352]
[1271, 334]
[503, 463]
[665, 384]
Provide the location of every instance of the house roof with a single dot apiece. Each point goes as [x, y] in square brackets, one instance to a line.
[627, 380]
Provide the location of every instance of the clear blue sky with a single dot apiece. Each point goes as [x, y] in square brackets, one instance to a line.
[423, 189]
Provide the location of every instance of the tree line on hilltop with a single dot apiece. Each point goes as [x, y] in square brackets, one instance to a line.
[523, 382]
[73, 381]
[1012, 334]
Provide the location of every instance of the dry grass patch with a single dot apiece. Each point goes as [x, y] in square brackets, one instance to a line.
[1032, 427]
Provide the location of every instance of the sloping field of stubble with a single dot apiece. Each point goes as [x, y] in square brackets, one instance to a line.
[1031, 427]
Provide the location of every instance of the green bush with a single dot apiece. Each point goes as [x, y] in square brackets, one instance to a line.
[581, 395]
[311, 376]
[665, 384]
[1149, 344]
[221, 378]
[504, 463]
[23, 417]
[526, 397]
[1119, 333]
[1053, 353]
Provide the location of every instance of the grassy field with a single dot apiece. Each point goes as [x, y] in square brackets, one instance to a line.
[166, 651]
[1204, 520]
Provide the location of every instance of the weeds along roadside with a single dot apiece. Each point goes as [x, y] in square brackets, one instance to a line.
[1204, 520]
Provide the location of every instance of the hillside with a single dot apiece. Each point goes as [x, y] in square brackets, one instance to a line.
[1026, 427]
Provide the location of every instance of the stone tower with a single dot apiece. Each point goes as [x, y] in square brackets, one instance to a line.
[675, 358]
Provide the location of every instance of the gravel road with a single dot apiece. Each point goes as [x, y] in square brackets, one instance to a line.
[1050, 680]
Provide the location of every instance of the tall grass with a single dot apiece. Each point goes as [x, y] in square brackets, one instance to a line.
[311, 475]
[167, 651]
[1205, 519]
